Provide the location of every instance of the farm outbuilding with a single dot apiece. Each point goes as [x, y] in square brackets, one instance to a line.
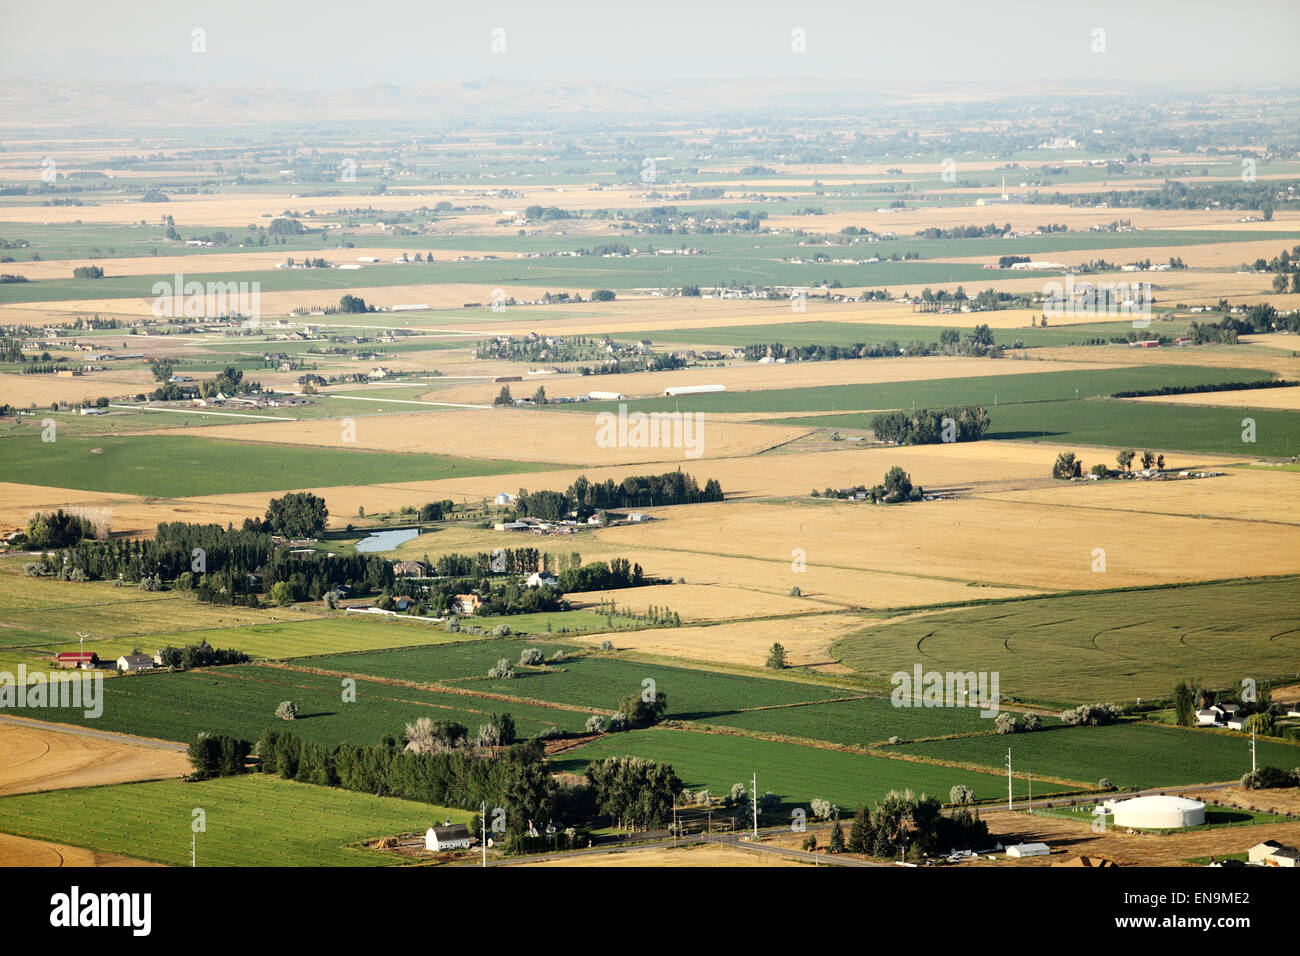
[694, 390]
[447, 837]
[1159, 813]
[1028, 849]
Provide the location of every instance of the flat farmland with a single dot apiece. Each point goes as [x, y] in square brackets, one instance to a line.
[596, 683]
[752, 377]
[526, 435]
[807, 639]
[254, 820]
[1117, 424]
[22, 852]
[35, 759]
[989, 390]
[241, 700]
[1129, 755]
[44, 614]
[1243, 493]
[798, 774]
[1083, 648]
[293, 638]
[173, 466]
[858, 723]
[952, 541]
[1277, 398]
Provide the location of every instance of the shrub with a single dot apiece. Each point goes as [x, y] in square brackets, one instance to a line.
[824, 809]
[502, 671]
[607, 645]
[531, 657]
[795, 592]
[1094, 715]
[1105, 784]
[501, 630]
[1006, 723]
[595, 724]
[616, 723]
[1031, 722]
[287, 710]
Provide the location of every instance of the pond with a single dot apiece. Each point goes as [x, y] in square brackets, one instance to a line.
[386, 540]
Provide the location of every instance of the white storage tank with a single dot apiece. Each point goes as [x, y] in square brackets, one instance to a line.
[1159, 813]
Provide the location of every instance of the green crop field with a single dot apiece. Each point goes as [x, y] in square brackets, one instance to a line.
[1129, 755]
[241, 701]
[797, 773]
[589, 681]
[1110, 646]
[988, 390]
[862, 721]
[828, 333]
[254, 820]
[1114, 423]
[45, 613]
[174, 466]
[288, 639]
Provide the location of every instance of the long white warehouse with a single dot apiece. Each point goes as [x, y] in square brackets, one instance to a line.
[694, 389]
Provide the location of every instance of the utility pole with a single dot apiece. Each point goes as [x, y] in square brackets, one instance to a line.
[1252, 752]
[755, 803]
[674, 822]
[194, 850]
[1031, 792]
[1010, 802]
[482, 818]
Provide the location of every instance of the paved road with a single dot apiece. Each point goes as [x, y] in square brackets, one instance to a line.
[98, 734]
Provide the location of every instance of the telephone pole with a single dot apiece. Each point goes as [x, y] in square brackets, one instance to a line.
[482, 818]
[755, 802]
[1010, 802]
[1252, 752]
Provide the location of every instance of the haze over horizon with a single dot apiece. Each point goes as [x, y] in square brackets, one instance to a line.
[245, 45]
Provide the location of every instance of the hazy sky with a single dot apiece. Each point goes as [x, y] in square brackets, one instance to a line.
[343, 43]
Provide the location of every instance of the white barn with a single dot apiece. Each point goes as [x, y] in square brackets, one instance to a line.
[448, 837]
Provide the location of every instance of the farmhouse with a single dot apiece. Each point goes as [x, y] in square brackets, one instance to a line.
[538, 578]
[1272, 853]
[410, 569]
[134, 662]
[448, 837]
[466, 603]
[693, 390]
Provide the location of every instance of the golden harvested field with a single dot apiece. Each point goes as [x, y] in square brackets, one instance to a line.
[516, 434]
[1242, 493]
[36, 758]
[955, 542]
[709, 856]
[806, 639]
[447, 295]
[1285, 398]
[234, 262]
[694, 602]
[754, 377]
[131, 514]
[23, 390]
[1210, 356]
[18, 851]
